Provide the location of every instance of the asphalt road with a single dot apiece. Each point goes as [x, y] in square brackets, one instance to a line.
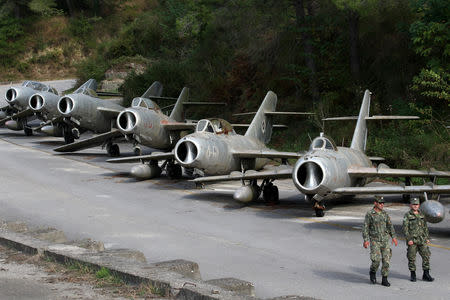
[283, 250]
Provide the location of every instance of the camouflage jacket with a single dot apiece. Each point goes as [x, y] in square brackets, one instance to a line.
[377, 226]
[415, 227]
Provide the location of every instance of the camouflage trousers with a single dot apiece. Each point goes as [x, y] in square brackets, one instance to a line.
[424, 251]
[380, 252]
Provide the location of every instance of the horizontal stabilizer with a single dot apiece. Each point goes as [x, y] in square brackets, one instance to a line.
[273, 126]
[143, 158]
[266, 154]
[387, 172]
[276, 113]
[376, 158]
[109, 94]
[390, 189]
[94, 141]
[373, 118]
[278, 173]
[178, 125]
[110, 111]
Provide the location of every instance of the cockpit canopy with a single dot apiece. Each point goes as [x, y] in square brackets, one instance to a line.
[217, 126]
[38, 86]
[144, 102]
[322, 142]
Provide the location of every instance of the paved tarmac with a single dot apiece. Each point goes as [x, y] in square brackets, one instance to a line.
[283, 250]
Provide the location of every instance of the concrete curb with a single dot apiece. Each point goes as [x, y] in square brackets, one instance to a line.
[179, 278]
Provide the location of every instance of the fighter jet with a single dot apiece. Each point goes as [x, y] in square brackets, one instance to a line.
[16, 115]
[327, 171]
[83, 110]
[44, 105]
[215, 148]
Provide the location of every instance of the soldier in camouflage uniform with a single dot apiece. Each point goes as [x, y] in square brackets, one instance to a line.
[417, 239]
[378, 230]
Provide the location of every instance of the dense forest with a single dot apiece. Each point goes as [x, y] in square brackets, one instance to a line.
[315, 55]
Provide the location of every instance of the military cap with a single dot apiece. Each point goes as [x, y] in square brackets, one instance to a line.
[414, 200]
[379, 199]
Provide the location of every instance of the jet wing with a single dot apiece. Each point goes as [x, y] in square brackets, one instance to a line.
[387, 172]
[277, 173]
[266, 154]
[389, 189]
[49, 122]
[97, 140]
[110, 111]
[21, 114]
[142, 158]
[173, 126]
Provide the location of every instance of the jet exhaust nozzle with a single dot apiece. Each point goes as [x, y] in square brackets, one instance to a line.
[127, 121]
[11, 95]
[433, 210]
[66, 106]
[308, 176]
[14, 125]
[186, 152]
[145, 171]
[36, 102]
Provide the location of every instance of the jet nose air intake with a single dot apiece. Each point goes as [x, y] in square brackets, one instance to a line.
[186, 152]
[126, 121]
[36, 102]
[309, 175]
[66, 105]
[11, 95]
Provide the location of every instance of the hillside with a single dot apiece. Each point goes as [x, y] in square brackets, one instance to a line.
[316, 55]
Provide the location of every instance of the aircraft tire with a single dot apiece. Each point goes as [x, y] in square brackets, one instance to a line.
[319, 212]
[68, 136]
[174, 171]
[28, 131]
[114, 150]
[270, 194]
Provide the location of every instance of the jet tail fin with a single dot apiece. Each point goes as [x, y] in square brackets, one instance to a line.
[177, 113]
[261, 125]
[360, 134]
[90, 84]
[154, 90]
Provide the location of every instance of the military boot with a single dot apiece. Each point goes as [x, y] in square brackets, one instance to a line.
[413, 276]
[385, 282]
[426, 276]
[373, 277]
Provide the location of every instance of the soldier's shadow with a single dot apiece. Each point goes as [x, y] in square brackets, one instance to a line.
[359, 275]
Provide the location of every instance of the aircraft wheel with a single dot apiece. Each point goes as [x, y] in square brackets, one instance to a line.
[28, 131]
[113, 150]
[406, 198]
[137, 151]
[319, 212]
[270, 194]
[173, 171]
[68, 136]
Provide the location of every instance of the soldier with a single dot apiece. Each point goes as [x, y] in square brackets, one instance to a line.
[378, 229]
[417, 239]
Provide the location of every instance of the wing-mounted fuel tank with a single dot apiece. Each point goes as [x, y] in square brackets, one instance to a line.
[433, 210]
[321, 171]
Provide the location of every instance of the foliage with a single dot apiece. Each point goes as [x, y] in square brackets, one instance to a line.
[45, 7]
[11, 42]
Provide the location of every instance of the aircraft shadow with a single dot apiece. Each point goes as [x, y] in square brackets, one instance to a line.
[49, 143]
[360, 275]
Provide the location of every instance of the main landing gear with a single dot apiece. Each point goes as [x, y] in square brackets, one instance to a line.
[270, 193]
[173, 171]
[112, 149]
[319, 209]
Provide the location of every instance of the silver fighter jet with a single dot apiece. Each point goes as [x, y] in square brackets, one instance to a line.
[82, 111]
[44, 105]
[327, 171]
[145, 124]
[16, 115]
